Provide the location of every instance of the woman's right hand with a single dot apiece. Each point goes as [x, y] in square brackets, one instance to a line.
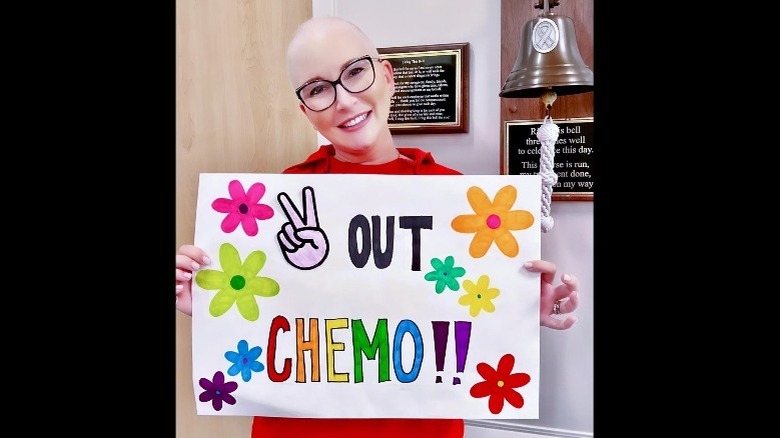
[188, 259]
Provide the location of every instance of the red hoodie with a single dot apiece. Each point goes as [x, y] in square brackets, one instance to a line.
[417, 162]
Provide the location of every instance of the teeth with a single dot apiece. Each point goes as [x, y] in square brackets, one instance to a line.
[356, 120]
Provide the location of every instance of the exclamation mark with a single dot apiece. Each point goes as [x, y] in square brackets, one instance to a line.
[440, 331]
[462, 341]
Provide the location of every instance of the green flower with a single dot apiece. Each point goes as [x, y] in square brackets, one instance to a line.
[445, 274]
[238, 283]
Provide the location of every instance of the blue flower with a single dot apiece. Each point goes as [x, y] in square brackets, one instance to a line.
[244, 360]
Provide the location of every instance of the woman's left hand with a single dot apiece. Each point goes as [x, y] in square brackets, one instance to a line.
[555, 300]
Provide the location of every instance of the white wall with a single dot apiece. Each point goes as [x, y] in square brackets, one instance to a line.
[566, 398]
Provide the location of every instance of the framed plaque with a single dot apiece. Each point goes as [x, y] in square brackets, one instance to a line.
[431, 88]
[573, 160]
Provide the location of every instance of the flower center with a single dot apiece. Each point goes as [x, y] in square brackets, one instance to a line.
[500, 383]
[493, 221]
[243, 208]
[243, 360]
[237, 282]
[479, 296]
[218, 392]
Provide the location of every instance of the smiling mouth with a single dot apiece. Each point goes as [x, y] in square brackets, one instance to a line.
[355, 121]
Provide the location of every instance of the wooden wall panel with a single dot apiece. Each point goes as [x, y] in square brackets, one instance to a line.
[514, 15]
[235, 112]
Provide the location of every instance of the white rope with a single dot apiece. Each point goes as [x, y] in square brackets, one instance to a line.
[547, 135]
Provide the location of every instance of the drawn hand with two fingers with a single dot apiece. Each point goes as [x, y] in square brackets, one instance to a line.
[302, 241]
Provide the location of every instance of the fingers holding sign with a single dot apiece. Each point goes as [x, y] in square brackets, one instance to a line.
[302, 241]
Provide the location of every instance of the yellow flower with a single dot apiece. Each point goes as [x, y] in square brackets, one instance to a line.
[493, 221]
[478, 296]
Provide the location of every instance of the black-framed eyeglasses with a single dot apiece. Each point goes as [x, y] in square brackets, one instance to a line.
[358, 76]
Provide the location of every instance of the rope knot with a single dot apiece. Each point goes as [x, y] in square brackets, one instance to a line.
[549, 178]
[547, 223]
[547, 132]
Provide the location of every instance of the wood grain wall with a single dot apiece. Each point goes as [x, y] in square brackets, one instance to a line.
[514, 15]
[235, 112]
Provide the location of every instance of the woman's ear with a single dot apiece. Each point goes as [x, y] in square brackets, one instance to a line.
[303, 110]
[387, 72]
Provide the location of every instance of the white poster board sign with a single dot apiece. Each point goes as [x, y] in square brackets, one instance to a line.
[367, 296]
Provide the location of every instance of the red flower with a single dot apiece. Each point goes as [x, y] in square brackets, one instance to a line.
[498, 384]
[243, 208]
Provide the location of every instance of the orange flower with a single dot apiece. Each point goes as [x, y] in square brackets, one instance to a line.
[493, 221]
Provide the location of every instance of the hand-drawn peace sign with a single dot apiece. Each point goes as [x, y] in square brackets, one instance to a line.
[302, 241]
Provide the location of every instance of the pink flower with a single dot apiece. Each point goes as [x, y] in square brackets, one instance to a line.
[243, 208]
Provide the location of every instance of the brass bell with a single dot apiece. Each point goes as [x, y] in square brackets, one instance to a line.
[549, 60]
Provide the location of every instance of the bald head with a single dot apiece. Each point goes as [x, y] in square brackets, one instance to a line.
[322, 37]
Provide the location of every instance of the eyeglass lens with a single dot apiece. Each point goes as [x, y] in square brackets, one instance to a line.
[355, 77]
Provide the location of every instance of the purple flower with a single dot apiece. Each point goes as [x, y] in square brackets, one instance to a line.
[217, 390]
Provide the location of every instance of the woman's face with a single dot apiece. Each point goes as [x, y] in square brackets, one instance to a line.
[355, 121]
